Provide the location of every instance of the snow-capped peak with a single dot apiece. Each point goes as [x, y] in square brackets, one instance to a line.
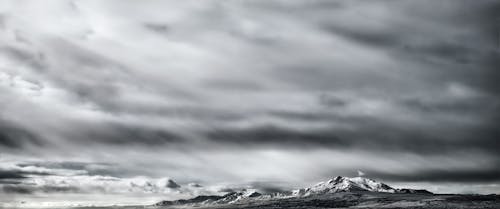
[238, 196]
[346, 184]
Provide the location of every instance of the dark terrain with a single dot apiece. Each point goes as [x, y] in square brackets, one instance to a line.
[366, 200]
[370, 200]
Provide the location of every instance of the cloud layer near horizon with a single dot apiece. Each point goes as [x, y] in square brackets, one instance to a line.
[250, 91]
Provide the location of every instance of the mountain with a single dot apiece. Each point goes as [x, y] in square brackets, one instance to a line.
[228, 198]
[345, 184]
[338, 184]
[356, 184]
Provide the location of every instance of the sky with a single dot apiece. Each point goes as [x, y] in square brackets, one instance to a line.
[132, 102]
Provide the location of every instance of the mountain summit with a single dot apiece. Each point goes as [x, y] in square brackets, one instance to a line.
[345, 184]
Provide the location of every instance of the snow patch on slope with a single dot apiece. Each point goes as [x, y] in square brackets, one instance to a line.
[345, 184]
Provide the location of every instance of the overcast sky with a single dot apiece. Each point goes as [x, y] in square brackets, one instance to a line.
[150, 100]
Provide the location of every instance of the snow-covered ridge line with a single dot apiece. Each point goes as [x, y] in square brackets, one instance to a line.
[345, 184]
[335, 185]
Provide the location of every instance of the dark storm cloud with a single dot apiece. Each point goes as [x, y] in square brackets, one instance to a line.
[104, 91]
[16, 189]
[25, 57]
[59, 189]
[29, 189]
[159, 28]
[331, 101]
[369, 136]
[379, 133]
[234, 85]
[10, 182]
[441, 175]
[20, 174]
[11, 175]
[363, 36]
[13, 136]
[172, 184]
[425, 36]
[119, 134]
[449, 106]
[401, 44]
[89, 87]
[273, 135]
[114, 134]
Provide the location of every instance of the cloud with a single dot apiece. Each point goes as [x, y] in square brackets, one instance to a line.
[16, 189]
[79, 177]
[13, 136]
[90, 184]
[171, 184]
[11, 175]
[363, 133]
[443, 175]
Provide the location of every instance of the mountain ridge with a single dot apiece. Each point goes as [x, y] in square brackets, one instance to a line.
[338, 184]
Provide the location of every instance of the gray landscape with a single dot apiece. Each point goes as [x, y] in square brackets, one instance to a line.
[373, 201]
[157, 104]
